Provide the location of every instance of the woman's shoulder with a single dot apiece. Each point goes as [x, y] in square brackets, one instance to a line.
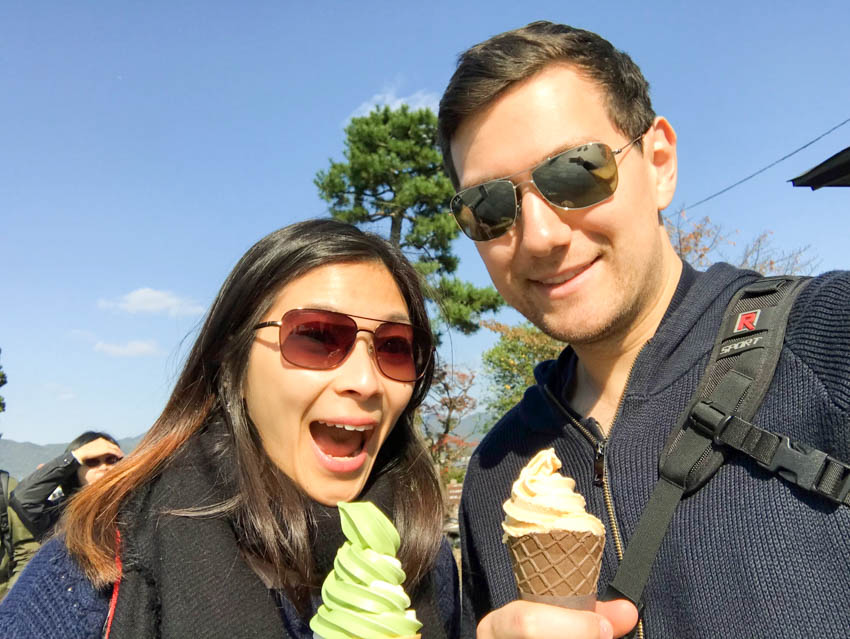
[53, 598]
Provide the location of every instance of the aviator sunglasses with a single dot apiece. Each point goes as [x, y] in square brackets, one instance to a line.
[94, 462]
[573, 179]
[321, 340]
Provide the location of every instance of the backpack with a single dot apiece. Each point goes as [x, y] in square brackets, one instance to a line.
[5, 526]
[717, 423]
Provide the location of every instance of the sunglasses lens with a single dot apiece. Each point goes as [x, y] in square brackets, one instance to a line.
[321, 340]
[109, 460]
[316, 339]
[486, 211]
[579, 177]
[400, 351]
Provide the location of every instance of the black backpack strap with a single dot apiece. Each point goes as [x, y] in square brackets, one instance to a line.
[733, 387]
[5, 525]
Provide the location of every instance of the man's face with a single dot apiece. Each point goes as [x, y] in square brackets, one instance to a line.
[579, 275]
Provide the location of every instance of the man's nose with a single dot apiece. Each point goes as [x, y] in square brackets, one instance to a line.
[543, 227]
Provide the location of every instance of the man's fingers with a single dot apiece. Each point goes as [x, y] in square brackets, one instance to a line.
[525, 619]
[621, 613]
[97, 448]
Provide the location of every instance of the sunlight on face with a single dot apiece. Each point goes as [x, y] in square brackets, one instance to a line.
[579, 275]
[324, 428]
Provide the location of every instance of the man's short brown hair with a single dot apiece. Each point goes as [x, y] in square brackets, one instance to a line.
[488, 69]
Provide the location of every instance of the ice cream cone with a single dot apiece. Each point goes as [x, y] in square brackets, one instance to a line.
[560, 567]
[555, 545]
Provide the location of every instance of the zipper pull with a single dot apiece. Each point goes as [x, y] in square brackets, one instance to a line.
[599, 462]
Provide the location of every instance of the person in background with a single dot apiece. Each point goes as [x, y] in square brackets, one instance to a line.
[562, 170]
[17, 543]
[40, 497]
[299, 393]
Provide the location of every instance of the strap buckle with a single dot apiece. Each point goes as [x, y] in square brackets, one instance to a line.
[708, 420]
[798, 464]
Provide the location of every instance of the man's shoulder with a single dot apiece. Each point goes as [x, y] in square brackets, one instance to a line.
[821, 313]
[818, 332]
[526, 428]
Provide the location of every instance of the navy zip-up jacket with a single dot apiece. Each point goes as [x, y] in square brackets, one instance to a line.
[748, 555]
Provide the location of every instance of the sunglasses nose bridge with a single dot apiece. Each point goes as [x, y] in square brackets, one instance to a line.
[521, 189]
[358, 375]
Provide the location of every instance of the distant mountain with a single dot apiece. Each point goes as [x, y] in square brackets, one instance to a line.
[473, 427]
[21, 458]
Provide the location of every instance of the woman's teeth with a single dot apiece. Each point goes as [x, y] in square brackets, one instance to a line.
[359, 429]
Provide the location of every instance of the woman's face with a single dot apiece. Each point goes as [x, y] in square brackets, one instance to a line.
[324, 428]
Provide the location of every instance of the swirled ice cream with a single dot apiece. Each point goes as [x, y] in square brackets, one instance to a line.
[554, 543]
[363, 596]
[542, 500]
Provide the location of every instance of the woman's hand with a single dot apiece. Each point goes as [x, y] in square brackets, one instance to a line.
[521, 619]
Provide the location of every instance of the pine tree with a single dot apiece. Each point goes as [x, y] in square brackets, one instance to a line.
[393, 174]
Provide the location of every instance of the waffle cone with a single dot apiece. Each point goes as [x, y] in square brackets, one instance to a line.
[556, 565]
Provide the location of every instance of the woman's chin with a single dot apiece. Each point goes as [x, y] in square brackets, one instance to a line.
[335, 492]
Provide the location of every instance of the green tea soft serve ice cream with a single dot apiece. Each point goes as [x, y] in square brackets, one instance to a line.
[363, 597]
[554, 543]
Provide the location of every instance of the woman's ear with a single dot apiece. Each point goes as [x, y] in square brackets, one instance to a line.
[660, 147]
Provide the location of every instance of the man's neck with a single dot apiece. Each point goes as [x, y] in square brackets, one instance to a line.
[604, 367]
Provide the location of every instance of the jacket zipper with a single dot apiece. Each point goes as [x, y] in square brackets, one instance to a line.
[599, 465]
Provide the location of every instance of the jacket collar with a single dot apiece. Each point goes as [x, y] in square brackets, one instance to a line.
[686, 330]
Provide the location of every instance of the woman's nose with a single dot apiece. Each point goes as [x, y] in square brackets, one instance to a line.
[359, 372]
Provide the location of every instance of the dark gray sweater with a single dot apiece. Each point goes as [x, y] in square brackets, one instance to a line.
[748, 555]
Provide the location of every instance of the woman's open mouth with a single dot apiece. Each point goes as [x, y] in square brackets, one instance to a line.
[340, 448]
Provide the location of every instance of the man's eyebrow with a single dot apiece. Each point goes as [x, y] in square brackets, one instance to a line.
[566, 146]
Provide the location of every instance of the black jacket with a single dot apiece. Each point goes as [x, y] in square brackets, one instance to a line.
[748, 555]
[31, 498]
[185, 577]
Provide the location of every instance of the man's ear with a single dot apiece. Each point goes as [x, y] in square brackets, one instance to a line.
[660, 147]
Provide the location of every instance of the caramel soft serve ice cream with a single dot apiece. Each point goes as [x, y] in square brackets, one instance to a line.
[555, 544]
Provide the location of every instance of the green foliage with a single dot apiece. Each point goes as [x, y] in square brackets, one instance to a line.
[456, 473]
[510, 363]
[392, 172]
[461, 303]
[2, 383]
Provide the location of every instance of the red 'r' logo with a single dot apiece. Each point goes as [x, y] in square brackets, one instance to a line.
[747, 321]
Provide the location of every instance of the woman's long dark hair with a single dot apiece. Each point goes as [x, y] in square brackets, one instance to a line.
[270, 511]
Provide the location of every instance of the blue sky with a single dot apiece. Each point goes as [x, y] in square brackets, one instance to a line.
[145, 146]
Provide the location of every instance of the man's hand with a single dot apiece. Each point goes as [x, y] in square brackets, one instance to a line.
[521, 619]
[99, 447]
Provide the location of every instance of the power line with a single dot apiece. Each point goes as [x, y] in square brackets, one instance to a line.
[772, 164]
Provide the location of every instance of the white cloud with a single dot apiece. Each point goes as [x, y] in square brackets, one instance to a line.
[148, 300]
[389, 97]
[133, 348]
